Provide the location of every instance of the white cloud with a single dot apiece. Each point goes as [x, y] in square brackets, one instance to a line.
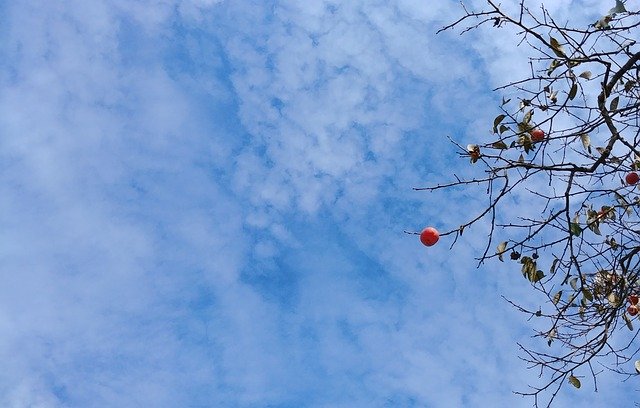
[203, 204]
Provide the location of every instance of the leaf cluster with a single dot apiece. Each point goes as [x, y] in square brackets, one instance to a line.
[583, 95]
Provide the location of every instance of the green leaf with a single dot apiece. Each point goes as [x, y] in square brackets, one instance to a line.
[557, 297]
[497, 121]
[575, 229]
[556, 47]
[527, 117]
[554, 264]
[503, 128]
[573, 91]
[574, 381]
[587, 295]
[614, 103]
[502, 247]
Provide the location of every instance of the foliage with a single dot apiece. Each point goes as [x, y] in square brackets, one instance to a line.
[583, 93]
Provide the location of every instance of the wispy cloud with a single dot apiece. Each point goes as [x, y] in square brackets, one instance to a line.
[202, 204]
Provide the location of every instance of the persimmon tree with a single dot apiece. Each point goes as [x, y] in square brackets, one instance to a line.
[566, 135]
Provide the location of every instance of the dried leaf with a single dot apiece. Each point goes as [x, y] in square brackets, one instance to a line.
[552, 67]
[595, 227]
[603, 23]
[537, 276]
[614, 103]
[497, 121]
[523, 104]
[474, 152]
[574, 381]
[574, 283]
[551, 336]
[586, 142]
[529, 268]
[619, 8]
[502, 247]
[623, 202]
[575, 229]
[585, 75]
[556, 47]
[499, 145]
[573, 91]
[628, 86]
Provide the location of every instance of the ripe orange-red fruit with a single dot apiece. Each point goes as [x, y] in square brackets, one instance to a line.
[633, 299]
[429, 236]
[632, 310]
[632, 178]
[537, 135]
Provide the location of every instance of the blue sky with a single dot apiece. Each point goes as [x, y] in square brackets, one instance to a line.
[202, 204]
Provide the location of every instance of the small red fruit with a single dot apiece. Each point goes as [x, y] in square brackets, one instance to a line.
[632, 178]
[633, 299]
[632, 310]
[537, 135]
[429, 236]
